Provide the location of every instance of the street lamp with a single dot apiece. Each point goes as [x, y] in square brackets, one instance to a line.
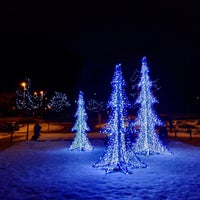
[42, 96]
[26, 102]
[23, 84]
[39, 97]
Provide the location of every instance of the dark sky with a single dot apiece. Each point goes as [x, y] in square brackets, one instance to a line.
[68, 47]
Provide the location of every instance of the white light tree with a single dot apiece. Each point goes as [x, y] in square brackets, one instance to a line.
[147, 141]
[81, 141]
[25, 100]
[118, 155]
[58, 102]
[96, 106]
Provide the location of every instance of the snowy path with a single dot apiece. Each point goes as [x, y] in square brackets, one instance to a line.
[47, 170]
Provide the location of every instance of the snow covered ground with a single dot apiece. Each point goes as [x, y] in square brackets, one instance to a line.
[46, 170]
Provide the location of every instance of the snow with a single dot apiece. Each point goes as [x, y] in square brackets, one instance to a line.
[47, 170]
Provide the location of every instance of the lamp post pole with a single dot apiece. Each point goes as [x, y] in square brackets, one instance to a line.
[24, 87]
[42, 96]
[23, 84]
[28, 121]
[26, 104]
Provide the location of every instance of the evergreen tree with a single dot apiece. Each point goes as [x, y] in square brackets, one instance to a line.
[118, 154]
[81, 141]
[147, 141]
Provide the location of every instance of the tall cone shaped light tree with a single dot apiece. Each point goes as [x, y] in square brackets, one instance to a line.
[118, 155]
[81, 141]
[147, 141]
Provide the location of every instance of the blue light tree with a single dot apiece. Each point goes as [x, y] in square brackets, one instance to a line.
[118, 155]
[81, 141]
[147, 140]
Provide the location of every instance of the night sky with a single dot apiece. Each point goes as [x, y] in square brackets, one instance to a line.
[68, 47]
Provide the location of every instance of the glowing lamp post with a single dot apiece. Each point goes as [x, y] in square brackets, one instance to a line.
[23, 84]
[39, 97]
[42, 96]
[26, 102]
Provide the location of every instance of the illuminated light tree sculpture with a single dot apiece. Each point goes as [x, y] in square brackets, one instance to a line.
[25, 100]
[97, 107]
[58, 102]
[147, 141]
[118, 155]
[58, 105]
[81, 141]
